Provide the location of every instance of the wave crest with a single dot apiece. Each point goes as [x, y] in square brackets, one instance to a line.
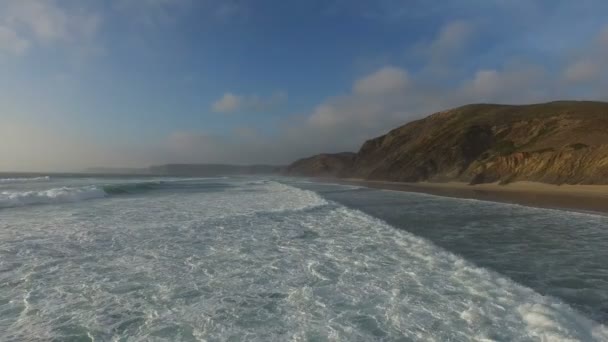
[10, 199]
[25, 179]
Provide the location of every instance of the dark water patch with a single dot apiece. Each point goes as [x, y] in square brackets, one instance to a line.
[273, 295]
[307, 235]
[182, 186]
[126, 288]
[73, 332]
[174, 332]
[370, 325]
[187, 295]
[129, 325]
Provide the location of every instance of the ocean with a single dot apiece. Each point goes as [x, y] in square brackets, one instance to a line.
[283, 259]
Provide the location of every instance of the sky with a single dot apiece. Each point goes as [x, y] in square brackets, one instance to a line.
[132, 83]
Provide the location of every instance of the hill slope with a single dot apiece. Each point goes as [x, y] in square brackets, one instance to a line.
[557, 142]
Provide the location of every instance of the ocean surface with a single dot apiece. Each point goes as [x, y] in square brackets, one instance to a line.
[280, 259]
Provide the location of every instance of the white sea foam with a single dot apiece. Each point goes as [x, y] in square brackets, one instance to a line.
[25, 179]
[9, 199]
[263, 262]
[266, 197]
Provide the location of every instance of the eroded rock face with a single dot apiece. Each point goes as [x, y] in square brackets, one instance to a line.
[557, 142]
[569, 165]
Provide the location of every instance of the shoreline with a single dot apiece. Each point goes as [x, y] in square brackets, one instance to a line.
[580, 198]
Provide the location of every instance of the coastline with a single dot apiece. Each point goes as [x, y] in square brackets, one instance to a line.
[581, 198]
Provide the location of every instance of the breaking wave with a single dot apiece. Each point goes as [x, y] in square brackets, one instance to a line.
[9, 199]
[25, 179]
[16, 198]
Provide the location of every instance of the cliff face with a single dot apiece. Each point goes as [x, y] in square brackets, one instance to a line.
[557, 142]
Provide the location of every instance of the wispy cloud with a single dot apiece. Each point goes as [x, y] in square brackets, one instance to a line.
[231, 102]
[386, 80]
[155, 13]
[152, 12]
[452, 39]
[10, 42]
[27, 23]
[589, 66]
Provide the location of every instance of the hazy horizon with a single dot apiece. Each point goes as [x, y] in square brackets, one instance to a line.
[130, 84]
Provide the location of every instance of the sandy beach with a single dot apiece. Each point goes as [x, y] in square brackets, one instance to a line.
[584, 198]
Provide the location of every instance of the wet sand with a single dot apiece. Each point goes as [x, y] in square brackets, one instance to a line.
[584, 198]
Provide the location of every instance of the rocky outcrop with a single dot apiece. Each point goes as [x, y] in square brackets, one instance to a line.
[557, 142]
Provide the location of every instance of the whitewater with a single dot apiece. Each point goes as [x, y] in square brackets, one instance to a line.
[280, 259]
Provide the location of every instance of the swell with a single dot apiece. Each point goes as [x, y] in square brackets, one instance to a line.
[11, 199]
[130, 188]
[25, 179]
[184, 185]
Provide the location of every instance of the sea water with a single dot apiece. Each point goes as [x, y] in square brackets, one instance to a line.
[279, 259]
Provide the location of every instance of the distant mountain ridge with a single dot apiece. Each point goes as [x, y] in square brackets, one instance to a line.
[117, 171]
[564, 142]
[191, 170]
[203, 170]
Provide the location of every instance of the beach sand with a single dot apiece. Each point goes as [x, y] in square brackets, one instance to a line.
[584, 198]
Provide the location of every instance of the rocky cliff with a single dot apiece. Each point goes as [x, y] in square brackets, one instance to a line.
[557, 142]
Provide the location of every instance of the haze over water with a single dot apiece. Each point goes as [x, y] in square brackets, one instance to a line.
[280, 259]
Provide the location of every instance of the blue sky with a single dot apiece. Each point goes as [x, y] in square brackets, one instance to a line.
[140, 82]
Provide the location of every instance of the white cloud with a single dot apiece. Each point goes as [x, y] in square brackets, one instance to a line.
[589, 65]
[43, 22]
[386, 80]
[582, 71]
[450, 42]
[11, 42]
[228, 103]
[231, 102]
[452, 39]
[522, 83]
[445, 50]
[42, 19]
[374, 100]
